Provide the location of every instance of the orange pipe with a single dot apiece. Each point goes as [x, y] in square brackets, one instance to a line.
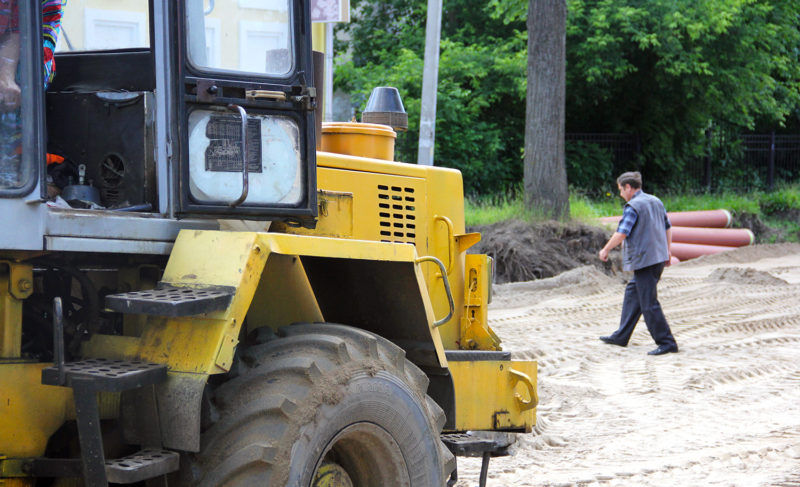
[707, 218]
[685, 251]
[728, 237]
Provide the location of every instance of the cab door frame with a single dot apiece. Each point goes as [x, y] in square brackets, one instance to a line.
[196, 88]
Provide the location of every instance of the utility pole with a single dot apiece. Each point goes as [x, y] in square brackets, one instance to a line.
[327, 96]
[430, 80]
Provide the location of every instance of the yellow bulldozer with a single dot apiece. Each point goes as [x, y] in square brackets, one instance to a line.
[200, 284]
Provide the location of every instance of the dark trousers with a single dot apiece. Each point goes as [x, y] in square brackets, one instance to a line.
[641, 299]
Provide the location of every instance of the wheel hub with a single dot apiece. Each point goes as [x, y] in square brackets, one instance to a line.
[362, 455]
[331, 475]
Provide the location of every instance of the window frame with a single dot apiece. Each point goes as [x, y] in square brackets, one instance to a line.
[190, 82]
[31, 101]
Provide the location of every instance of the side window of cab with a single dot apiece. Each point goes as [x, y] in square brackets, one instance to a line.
[17, 171]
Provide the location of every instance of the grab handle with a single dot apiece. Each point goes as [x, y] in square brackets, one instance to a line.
[526, 380]
[451, 241]
[245, 174]
[430, 258]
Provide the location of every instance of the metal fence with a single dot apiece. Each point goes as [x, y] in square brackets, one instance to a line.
[623, 148]
[738, 161]
[776, 157]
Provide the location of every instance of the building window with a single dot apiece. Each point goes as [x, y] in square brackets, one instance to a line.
[213, 43]
[263, 4]
[115, 29]
[257, 41]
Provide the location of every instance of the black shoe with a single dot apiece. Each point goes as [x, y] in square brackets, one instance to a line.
[662, 349]
[613, 341]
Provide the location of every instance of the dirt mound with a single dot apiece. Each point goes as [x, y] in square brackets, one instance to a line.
[763, 232]
[527, 251]
[744, 275]
[760, 230]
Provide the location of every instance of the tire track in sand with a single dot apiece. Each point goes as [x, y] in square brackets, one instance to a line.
[723, 411]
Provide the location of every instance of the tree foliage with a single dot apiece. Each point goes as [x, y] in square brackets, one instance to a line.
[666, 70]
[481, 94]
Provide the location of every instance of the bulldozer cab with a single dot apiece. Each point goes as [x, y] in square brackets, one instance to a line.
[153, 122]
[143, 340]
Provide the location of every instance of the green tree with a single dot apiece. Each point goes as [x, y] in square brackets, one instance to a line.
[666, 70]
[545, 168]
[480, 99]
[670, 69]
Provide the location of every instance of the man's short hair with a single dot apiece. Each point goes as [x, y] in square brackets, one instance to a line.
[632, 178]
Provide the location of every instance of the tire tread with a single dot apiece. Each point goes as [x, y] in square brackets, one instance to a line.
[279, 375]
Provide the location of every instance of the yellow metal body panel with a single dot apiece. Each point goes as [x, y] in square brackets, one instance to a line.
[20, 278]
[358, 250]
[17, 482]
[205, 344]
[495, 395]
[29, 411]
[359, 139]
[10, 322]
[405, 203]
[112, 347]
[335, 217]
[475, 331]
[16, 284]
[202, 344]
[284, 295]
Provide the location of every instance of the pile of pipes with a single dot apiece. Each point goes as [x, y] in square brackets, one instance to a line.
[696, 233]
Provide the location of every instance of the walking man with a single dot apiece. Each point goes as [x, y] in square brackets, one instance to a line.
[647, 235]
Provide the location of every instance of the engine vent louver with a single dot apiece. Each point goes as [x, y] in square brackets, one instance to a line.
[397, 214]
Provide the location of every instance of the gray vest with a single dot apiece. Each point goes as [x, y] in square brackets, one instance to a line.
[647, 243]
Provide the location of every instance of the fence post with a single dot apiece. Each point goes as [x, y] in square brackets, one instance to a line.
[771, 167]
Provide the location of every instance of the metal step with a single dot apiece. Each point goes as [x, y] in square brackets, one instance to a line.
[482, 444]
[470, 445]
[87, 378]
[105, 374]
[168, 300]
[143, 465]
[146, 464]
[476, 355]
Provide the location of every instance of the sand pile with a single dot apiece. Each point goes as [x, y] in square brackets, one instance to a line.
[723, 411]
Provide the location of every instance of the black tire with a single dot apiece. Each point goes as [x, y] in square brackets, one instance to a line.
[322, 400]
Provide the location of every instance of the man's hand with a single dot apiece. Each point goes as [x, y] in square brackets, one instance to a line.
[9, 94]
[612, 243]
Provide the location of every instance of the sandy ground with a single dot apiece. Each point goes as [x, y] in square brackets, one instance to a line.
[723, 411]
